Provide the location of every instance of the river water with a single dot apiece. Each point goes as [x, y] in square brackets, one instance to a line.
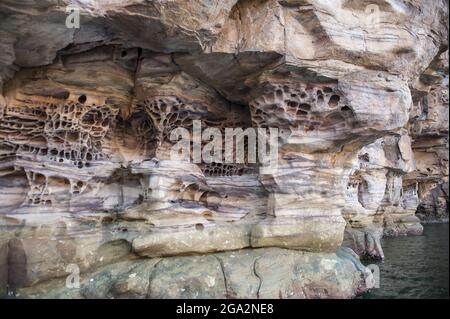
[414, 267]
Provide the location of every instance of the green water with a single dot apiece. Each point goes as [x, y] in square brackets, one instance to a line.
[415, 267]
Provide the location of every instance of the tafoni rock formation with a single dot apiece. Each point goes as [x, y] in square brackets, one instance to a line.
[89, 187]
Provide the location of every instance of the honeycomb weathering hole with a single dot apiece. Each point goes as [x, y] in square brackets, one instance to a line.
[334, 100]
[82, 99]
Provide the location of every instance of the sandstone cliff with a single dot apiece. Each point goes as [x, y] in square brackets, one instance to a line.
[358, 91]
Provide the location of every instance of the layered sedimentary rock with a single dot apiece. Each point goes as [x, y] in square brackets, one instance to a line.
[378, 202]
[257, 273]
[429, 131]
[93, 178]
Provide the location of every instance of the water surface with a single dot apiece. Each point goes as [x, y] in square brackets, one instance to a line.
[415, 267]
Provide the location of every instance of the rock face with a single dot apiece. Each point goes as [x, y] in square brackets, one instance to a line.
[256, 273]
[429, 131]
[351, 98]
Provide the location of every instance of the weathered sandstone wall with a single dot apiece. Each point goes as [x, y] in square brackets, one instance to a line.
[358, 91]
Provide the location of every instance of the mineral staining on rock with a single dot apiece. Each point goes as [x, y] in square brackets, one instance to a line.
[86, 172]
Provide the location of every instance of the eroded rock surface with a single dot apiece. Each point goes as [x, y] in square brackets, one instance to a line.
[430, 142]
[355, 92]
[256, 273]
